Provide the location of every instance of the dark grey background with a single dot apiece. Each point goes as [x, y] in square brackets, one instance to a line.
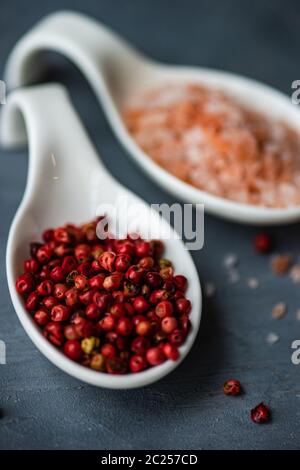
[45, 408]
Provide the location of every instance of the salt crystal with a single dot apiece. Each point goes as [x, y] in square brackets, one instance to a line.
[252, 283]
[272, 338]
[230, 260]
[295, 273]
[209, 289]
[279, 310]
[280, 264]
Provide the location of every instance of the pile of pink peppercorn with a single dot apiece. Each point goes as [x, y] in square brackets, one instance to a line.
[115, 306]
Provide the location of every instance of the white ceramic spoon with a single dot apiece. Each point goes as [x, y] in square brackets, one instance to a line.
[70, 191]
[116, 71]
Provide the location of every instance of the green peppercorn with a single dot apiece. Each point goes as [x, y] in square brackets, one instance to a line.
[98, 362]
[89, 344]
[165, 263]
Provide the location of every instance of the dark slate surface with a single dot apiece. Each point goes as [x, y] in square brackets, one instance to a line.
[42, 406]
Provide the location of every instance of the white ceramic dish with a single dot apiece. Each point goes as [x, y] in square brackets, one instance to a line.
[116, 71]
[70, 191]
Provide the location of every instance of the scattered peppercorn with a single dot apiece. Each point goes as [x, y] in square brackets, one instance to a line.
[260, 414]
[232, 387]
[263, 243]
[115, 306]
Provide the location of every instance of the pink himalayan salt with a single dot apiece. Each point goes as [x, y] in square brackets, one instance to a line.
[210, 141]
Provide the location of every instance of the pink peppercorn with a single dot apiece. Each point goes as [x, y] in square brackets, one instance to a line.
[155, 356]
[171, 351]
[72, 349]
[169, 324]
[25, 283]
[137, 363]
[60, 313]
[164, 309]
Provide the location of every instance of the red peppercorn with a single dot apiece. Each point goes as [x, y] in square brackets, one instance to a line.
[177, 337]
[87, 297]
[92, 312]
[84, 269]
[232, 387]
[72, 349]
[169, 286]
[60, 313]
[95, 267]
[96, 251]
[45, 287]
[164, 309]
[140, 344]
[112, 282]
[183, 306]
[82, 252]
[260, 414]
[61, 235]
[185, 323]
[69, 264]
[41, 317]
[34, 248]
[137, 319]
[48, 235]
[31, 266]
[62, 250]
[71, 297]
[170, 351]
[49, 302]
[54, 332]
[143, 249]
[97, 281]
[44, 254]
[107, 323]
[140, 304]
[32, 301]
[81, 282]
[25, 283]
[102, 300]
[108, 350]
[169, 324]
[155, 356]
[146, 263]
[118, 310]
[84, 328]
[134, 274]
[70, 332]
[153, 279]
[137, 363]
[263, 243]
[124, 326]
[116, 365]
[107, 260]
[144, 328]
[125, 248]
[59, 291]
[122, 263]
[158, 295]
[180, 282]
[57, 274]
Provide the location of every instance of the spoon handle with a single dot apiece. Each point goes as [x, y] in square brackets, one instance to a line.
[61, 155]
[101, 55]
